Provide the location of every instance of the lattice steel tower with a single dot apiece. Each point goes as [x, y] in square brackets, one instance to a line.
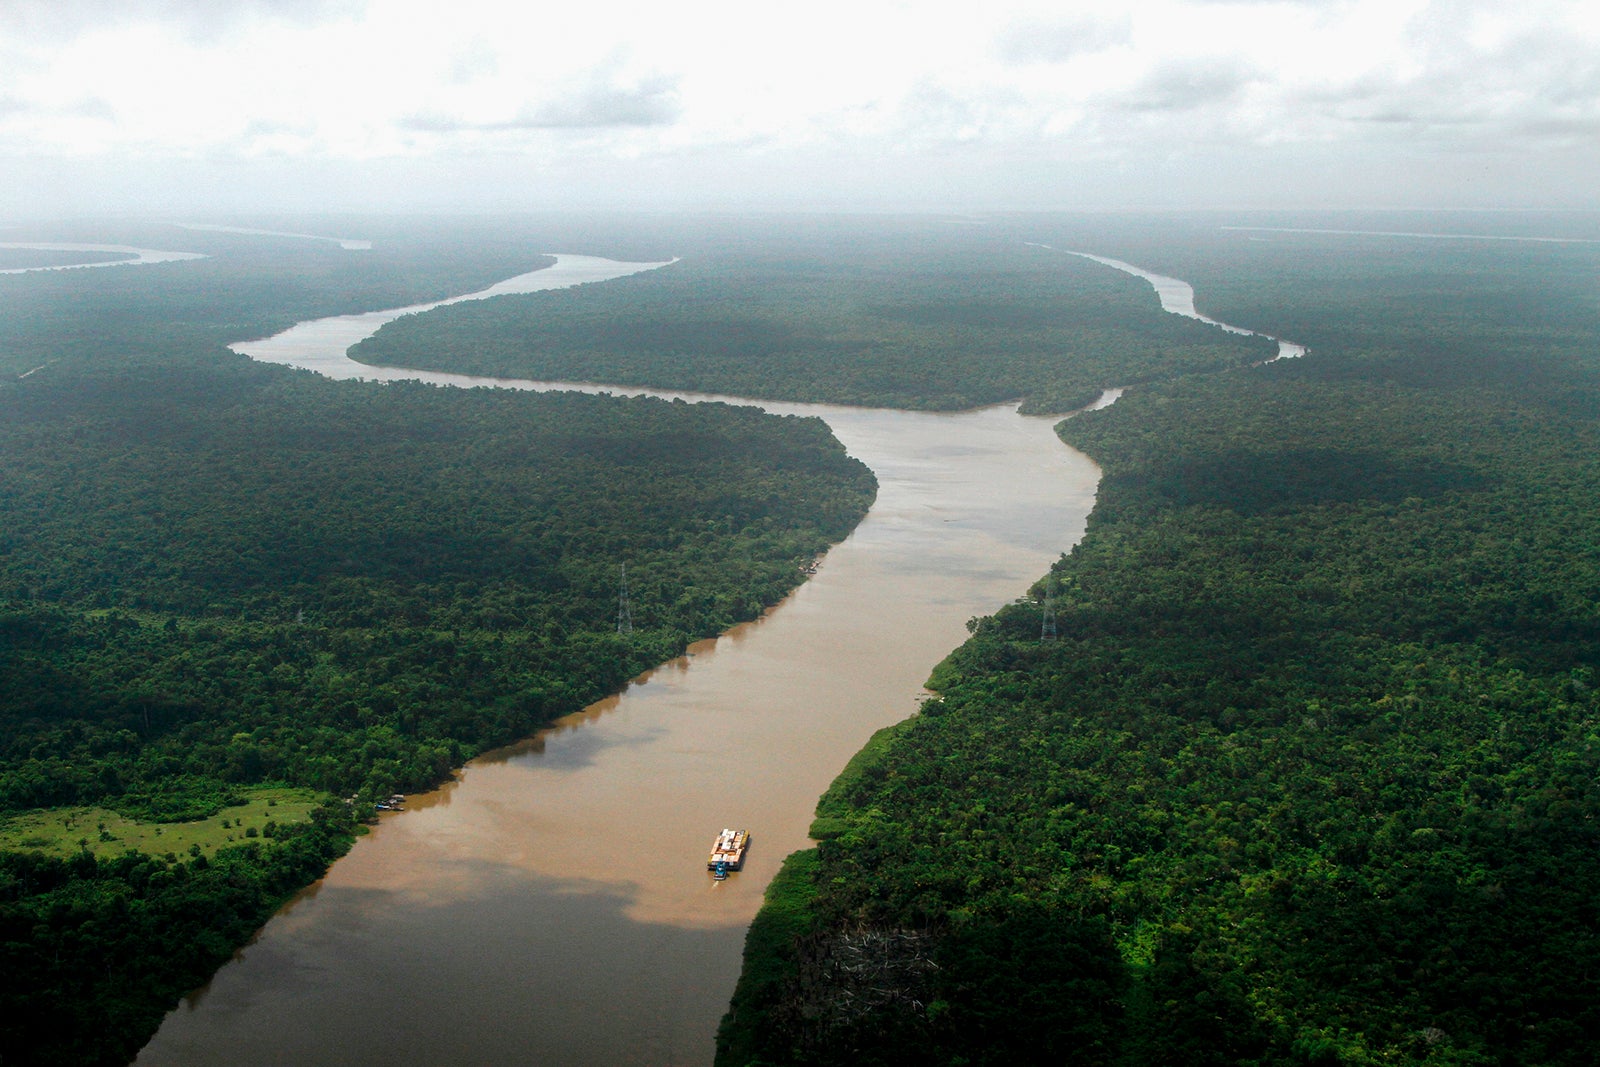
[1047, 625]
[624, 612]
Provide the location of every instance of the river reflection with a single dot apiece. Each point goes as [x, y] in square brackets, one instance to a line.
[551, 905]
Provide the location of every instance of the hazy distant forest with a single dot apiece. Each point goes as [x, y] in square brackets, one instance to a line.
[1308, 773]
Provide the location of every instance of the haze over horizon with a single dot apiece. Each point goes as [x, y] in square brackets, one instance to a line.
[175, 106]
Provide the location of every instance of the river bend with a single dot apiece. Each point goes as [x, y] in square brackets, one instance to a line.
[551, 905]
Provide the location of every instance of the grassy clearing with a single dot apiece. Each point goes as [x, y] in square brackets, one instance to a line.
[62, 831]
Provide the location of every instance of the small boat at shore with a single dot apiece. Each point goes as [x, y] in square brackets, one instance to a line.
[727, 853]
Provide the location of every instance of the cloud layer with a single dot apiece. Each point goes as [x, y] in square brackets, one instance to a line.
[881, 104]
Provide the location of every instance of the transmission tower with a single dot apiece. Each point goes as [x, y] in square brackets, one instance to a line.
[1047, 626]
[624, 613]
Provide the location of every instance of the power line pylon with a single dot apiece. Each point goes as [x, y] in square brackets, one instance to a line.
[1047, 625]
[624, 612]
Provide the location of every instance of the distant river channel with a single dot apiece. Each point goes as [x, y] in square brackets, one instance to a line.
[551, 904]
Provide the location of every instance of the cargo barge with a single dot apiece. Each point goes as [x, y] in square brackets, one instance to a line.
[727, 854]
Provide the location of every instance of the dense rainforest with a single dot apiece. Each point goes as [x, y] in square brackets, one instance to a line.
[240, 603]
[1294, 758]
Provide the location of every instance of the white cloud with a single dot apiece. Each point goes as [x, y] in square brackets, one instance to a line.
[1188, 84]
[720, 93]
[1057, 40]
[600, 104]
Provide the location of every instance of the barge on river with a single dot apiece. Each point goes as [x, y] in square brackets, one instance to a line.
[727, 854]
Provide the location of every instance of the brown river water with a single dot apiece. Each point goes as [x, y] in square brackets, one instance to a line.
[551, 905]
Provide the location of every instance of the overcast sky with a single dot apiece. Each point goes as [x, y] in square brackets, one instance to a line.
[183, 106]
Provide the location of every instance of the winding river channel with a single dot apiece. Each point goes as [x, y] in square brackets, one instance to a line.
[551, 904]
[124, 255]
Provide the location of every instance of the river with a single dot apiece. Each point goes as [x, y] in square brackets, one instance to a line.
[551, 905]
[1177, 298]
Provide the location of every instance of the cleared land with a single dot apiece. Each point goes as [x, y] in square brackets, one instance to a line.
[64, 831]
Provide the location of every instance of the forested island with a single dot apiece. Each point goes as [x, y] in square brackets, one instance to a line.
[241, 604]
[844, 312]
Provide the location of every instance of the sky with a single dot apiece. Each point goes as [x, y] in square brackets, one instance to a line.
[217, 107]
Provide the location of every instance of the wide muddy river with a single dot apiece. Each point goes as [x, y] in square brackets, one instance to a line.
[551, 905]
